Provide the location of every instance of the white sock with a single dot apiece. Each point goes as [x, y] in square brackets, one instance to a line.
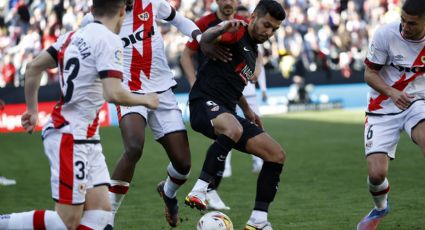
[200, 185]
[258, 217]
[96, 219]
[228, 165]
[117, 192]
[174, 181]
[46, 219]
[256, 160]
[379, 193]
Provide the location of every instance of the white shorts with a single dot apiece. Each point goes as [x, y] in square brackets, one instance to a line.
[74, 167]
[167, 118]
[381, 133]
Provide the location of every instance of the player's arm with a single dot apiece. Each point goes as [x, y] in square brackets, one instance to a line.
[373, 79]
[213, 34]
[33, 73]
[248, 112]
[113, 92]
[187, 64]
[183, 24]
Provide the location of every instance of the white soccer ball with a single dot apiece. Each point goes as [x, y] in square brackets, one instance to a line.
[214, 221]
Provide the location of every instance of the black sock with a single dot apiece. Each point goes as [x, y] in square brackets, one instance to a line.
[215, 159]
[267, 185]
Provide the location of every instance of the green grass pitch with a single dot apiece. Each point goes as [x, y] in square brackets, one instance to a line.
[323, 185]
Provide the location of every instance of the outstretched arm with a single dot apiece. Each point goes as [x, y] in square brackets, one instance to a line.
[213, 34]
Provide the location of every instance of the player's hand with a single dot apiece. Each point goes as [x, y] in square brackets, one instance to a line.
[401, 99]
[152, 100]
[232, 26]
[29, 121]
[216, 51]
[254, 118]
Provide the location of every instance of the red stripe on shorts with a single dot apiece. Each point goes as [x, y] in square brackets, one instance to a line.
[38, 220]
[66, 169]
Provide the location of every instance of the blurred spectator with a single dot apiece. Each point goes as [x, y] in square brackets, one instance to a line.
[8, 72]
[298, 92]
[318, 35]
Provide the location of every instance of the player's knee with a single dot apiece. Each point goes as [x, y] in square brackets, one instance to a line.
[71, 220]
[279, 156]
[377, 178]
[133, 152]
[234, 132]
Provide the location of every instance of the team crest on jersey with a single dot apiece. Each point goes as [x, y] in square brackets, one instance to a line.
[423, 59]
[369, 144]
[144, 16]
[215, 108]
[82, 188]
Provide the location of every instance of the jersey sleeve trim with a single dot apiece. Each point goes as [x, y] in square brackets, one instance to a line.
[110, 73]
[54, 53]
[372, 65]
[172, 15]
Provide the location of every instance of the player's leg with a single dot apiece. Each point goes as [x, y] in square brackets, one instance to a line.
[59, 149]
[218, 123]
[132, 125]
[381, 136]
[98, 209]
[169, 130]
[264, 146]
[257, 163]
[177, 147]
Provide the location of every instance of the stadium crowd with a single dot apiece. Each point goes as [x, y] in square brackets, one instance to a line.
[318, 34]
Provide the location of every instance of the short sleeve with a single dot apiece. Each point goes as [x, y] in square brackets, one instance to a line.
[377, 54]
[164, 9]
[109, 57]
[55, 47]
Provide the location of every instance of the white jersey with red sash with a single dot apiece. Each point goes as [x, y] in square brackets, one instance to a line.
[145, 64]
[401, 64]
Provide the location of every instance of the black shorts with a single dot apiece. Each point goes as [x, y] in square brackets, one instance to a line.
[202, 111]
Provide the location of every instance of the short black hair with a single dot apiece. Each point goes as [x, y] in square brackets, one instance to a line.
[414, 7]
[108, 8]
[241, 8]
[274, 8]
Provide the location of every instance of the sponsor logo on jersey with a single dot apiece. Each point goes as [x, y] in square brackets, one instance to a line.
[144, 16]
[414, 69]
[137, 37]
[398, 57]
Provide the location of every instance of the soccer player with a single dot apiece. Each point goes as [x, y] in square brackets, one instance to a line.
[213, 99]
[91, 71]
[395, 68]
[226, 10]
[146, 70]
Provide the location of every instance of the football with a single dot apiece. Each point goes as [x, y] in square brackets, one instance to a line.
[214, 221]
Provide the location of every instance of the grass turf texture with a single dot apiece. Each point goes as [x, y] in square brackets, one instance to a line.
[323, 185]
